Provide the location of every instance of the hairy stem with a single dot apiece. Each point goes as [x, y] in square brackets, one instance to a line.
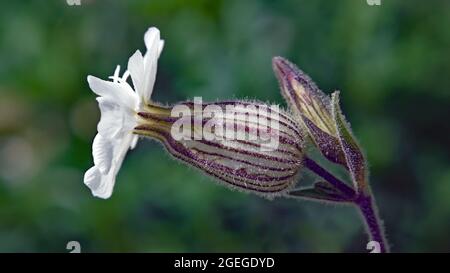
[337, 183]
[363, 201]
[374, 227]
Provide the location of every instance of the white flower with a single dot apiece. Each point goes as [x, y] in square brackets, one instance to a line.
[119, 103]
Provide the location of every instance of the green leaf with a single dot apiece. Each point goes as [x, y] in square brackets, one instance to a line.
[321, 191]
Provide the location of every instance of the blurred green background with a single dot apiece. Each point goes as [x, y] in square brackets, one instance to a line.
[391, 63]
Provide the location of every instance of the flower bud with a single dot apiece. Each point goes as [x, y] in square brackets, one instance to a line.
[323, 120]
[311, 106]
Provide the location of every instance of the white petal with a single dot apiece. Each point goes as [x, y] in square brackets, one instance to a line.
[120, 150]
[153, 44]
[101, 185]
[136, 68]
[150, 75]
[92, 178]
[115, 120]
[161, 46]
[120, 93]
[102, 151]
[134, 142]
[111, 120]
[151, 37]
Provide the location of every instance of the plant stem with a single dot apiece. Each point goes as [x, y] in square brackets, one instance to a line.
[374, 227]
[363, 201]
[337, 183]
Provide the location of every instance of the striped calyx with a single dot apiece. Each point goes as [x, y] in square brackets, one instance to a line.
[248, 146]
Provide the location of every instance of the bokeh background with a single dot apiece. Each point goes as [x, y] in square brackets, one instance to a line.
[391, 63]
